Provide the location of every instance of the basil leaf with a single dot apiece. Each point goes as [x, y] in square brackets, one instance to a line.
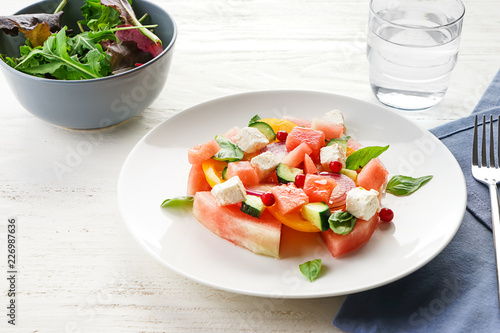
[362, 156]
[180, 201]
[311, 269]
[405, 185]
[341, 222]
[254, 119]
[228, 152]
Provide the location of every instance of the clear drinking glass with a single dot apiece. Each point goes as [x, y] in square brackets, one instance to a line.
[412, 48]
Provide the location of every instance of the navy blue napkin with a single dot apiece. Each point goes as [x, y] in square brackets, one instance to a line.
[457, 290]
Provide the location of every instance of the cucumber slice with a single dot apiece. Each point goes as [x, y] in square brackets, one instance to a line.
[265, 129]
[317, 213]
[224, 171]
[341, 142]
[253, 206]
[349, 173]
[286, 174]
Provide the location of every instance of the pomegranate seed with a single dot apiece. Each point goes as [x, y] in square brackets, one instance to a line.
[386, 215]
[335, 166]
[281, 135]
[268, 199]
[300, 179]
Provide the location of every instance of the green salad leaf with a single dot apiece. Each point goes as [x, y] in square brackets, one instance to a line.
[180, 201]
[342, 222]
[228, 152]
[98, 17]
[362, 156]
[53, 58]
[116, 42]
[405, 185]
[311, 269]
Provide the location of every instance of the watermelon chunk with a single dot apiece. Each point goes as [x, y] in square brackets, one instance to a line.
[373, 176]
[313, 138]
[245, 170]
[360, 235]
[319, 188]
[259, 235]
[296, 156]
[309, 166]
[203, 152]
[299, 121]
[231, 133]
[354, 144]
[289, 198]
[196, 180]
[331, 130]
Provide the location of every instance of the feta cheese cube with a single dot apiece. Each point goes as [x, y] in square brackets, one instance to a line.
[362, 203]
[229, 192]
[332, 153]
[334, 116]
[265, 164]
[250, 139]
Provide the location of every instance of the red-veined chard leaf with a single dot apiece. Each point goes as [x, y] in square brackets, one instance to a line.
[143, 43]
[128, 16]
[11, 25]
[125, 56]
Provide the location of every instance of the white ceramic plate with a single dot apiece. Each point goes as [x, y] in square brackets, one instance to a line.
[424, 222]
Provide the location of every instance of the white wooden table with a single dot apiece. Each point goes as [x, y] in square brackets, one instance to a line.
[79, 268]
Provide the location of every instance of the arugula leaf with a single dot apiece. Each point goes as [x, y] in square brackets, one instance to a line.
[228, 152]
[53, 58]
[311, 269]
[362, 156]
[342, 222]
[61, 6]
[180, 201]
[99, 17]
[405, 185]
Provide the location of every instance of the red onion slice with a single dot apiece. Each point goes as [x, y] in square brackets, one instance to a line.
[260, 189]
[339, 193]
[277, 148]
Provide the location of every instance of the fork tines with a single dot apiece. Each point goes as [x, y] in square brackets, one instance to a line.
[492, 160]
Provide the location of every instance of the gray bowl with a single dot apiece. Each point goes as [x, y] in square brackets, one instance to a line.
[95, 103]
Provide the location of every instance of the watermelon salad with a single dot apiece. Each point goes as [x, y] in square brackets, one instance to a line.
[249, 183]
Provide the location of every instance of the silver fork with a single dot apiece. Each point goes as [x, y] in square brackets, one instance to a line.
[489, 174]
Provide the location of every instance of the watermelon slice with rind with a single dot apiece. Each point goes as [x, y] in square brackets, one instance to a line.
[259, 235]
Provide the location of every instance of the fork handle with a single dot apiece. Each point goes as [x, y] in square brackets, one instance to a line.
[495, 215]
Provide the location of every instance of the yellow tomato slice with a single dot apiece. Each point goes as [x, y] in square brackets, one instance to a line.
[279, 124]
[350, 151]
[293, 220]
[213, 171]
